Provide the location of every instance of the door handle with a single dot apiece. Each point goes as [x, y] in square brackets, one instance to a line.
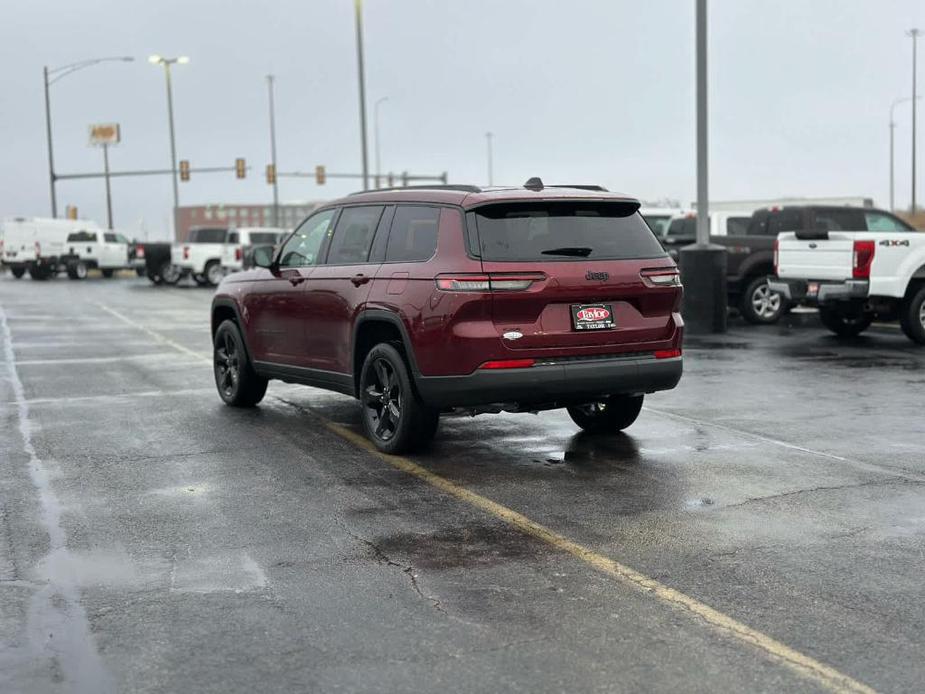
[360, 279]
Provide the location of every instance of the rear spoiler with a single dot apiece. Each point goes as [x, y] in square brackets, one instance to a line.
[812, 234]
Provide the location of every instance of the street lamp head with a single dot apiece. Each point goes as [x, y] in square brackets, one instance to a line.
[154, 59]
[127, 59]
[183, 60]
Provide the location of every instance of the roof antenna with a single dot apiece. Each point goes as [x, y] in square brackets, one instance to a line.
[534, 183]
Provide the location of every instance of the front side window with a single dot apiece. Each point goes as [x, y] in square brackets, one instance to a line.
[881, 221]
[121, 239]
[261, 238]
[835, 219]
[354, 235]
[658, 223]
[681, 229]
[551, 231]
[413, 236]
[304, 245]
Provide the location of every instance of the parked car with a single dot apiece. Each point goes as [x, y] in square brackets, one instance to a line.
[658, 218]
[681, 229]
[448, 298]
[241, 242]
[85, 250]
[35, 245]
[201, 255]
[856, 277]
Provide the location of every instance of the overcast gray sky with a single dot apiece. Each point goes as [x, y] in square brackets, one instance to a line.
[575, 91]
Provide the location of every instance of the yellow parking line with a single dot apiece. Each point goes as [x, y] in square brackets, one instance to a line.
[803, 665]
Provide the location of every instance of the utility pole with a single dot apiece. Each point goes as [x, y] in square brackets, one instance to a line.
[362, 80]
[270, 79]
[51, 156]
[914, 33]
[378, 174]
[491, 177]
[896, 102]
[108, 189]
[703, 265]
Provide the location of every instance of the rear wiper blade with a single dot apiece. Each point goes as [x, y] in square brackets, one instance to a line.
[580, 251]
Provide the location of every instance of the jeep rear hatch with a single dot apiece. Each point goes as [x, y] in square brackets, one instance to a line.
[575, 274]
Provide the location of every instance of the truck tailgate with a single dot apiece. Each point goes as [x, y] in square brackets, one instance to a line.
[816, 259]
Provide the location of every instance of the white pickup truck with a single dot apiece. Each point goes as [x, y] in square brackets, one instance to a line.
[855, 277]
[201, 255]
[106, 251]
[241, 242]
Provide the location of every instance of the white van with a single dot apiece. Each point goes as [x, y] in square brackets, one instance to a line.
[37, 244]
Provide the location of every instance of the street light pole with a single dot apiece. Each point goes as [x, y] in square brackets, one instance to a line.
[896, 102]
[491, 177]
[270, 79]
[108, 189]
[362, 80]
[376, 136]
[914, 33]
[167, 62]
[50, 76]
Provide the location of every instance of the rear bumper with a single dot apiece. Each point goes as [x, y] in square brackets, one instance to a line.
[569, 382]
[796, 290]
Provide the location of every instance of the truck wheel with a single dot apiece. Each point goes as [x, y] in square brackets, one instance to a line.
[759, 305]
[39, 273]
[608, 416]
[845, 323]
[108, 273]
[18, 272]
[396, 421]
[912, 317]
[237, 382]
[170, 274]
[140, 271]
[213, 273]
[77, 270]
[155, 279]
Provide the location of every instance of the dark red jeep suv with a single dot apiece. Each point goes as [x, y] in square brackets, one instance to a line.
[426, 300]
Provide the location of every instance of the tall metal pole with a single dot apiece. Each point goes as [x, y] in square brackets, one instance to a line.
[491, 176]
[362, 81]
[173, 143]
[108, 189]
[378, 175]
[914, 33]
[51, 156]
[892, 128]
[703, 212]
[270, 79]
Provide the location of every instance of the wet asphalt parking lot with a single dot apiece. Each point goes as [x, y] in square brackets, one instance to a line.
[761, 528]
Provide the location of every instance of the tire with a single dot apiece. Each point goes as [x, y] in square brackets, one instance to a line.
[395, 420]
[912, 316]
[18, 272]
[848, 323]
[140, 271]
[77, 270]
[169, 273]
[237, 383]
[759, 305]
[39, 273]
[213, 274]
[108, 273]
[155, 279]
[609, 416]
[200, 280]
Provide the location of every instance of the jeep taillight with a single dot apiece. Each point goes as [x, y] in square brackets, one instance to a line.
[185, 252]
[863, 258]
[662, 277]
[776, 257]
[494, 282]
[238, 253]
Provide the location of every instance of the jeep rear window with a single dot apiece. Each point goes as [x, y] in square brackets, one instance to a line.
[551, 231]
[207, 236]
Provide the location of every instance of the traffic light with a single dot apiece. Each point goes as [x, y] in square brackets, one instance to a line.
[184, 169]
[240, 168]
[320, 175]
[271, 173]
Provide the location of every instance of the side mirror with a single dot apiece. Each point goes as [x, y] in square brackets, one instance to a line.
[263, 256]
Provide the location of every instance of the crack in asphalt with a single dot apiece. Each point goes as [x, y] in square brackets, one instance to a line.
[823, 488]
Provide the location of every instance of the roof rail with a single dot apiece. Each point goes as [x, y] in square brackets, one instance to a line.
[451, 186]
[583, 186]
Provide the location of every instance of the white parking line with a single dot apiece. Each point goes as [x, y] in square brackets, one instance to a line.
[156, 335]
[58, 625]
[99, 360]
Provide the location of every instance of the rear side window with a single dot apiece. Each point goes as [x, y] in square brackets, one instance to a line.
[550, 231]
[785, 220]
[737, 226]
[682, 228]
[78, 236]
[835, 219]
[110, 238]
[261, 238]
[413, 237]
[354, 235]
[233, 237]
[207, 236]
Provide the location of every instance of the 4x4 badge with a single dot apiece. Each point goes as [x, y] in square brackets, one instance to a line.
[591, 275]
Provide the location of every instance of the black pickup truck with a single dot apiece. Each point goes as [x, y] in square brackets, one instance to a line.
[750, 259]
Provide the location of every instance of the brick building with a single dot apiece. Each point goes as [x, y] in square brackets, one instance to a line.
[233, 214]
